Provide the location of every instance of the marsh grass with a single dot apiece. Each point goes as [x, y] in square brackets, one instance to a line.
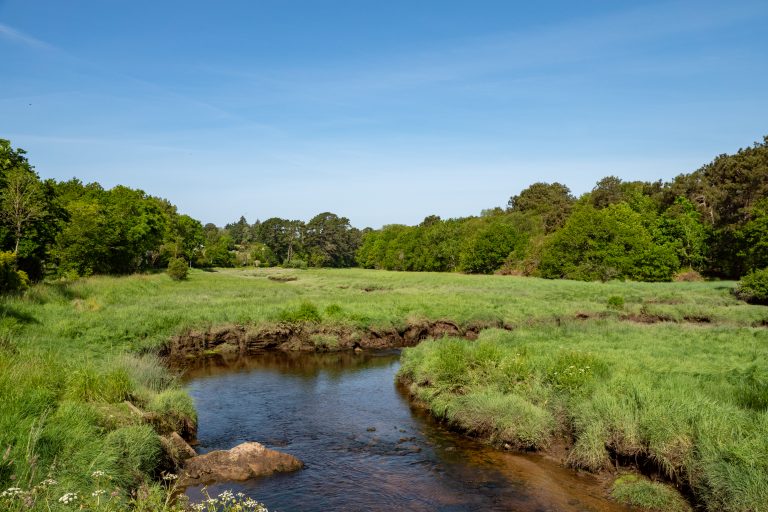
[689, 396]
[685, 401]
[641, 492]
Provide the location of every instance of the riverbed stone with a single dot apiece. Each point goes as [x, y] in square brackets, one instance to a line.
[244, 461]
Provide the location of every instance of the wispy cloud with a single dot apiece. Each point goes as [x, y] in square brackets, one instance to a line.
[18, 37]
[505, 55]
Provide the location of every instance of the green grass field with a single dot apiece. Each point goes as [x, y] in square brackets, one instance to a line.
[687, 395]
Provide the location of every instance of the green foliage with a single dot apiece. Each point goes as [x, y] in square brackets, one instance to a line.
[505, 418]
[130, 454]
[296, 263]
[175, 411]
[640, 492]
[753, 287]
[550, 201]
[331, 241]
[616, 302]
[490, 241]
[604, 244]
[334, 310]
[575, 372]
[754, 237]
[680, 226]
[751, 387]
[178, 269]
[11, 279]
[305, 312]
[262, 254]
[727, 193]
[87, 384]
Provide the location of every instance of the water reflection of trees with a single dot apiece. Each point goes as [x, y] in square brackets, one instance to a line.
[304, 364]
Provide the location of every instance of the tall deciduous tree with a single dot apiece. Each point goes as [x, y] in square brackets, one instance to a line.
[22, 201]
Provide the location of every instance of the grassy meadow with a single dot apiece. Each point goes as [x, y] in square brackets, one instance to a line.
[671, 375]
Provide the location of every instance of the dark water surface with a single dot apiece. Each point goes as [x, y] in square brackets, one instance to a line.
[323, 408]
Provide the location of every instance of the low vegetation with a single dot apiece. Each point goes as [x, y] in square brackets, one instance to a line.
[689, 397]
[685, 402]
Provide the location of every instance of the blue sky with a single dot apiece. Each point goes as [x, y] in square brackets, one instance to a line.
[383, 112]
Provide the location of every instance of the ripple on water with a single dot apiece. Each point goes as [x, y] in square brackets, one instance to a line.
[363, 445]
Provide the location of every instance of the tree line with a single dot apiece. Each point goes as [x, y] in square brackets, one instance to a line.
[713, 221]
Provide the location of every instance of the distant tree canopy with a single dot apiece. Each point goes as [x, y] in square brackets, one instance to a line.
[552, 202]
[73, 228]
[714, 220]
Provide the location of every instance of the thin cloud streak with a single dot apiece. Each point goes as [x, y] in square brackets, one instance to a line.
[16, 36]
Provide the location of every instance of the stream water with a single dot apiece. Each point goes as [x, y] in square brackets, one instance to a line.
[364, 447]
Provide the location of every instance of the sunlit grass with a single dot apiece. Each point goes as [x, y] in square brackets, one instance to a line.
[689, 395]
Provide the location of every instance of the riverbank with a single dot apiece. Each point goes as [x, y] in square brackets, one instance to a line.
[85, 335]
[658, 400]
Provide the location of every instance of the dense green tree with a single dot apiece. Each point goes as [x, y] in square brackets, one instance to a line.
[330, 241]
[725, 191]
[552, 202]
[607, 243]
[22, 201]
[488, 242]
[680, 226]
[754, 237]
[240, 231]
[284, 237]
[11, 278]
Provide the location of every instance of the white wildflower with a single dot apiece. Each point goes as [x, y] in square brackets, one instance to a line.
[68, 498]
[98, 492]
[97, 474]
[11, 492]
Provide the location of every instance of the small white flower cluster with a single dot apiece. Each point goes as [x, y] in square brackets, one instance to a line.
[170, 477]
[48, 482]
[230, 502]
[11, 492]
[68, 498]
[98, 492]
[97, 474]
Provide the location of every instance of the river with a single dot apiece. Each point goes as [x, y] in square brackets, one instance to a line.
[364, 446]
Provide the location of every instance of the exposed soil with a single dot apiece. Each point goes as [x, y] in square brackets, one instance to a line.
[647, 318]
[241, 340]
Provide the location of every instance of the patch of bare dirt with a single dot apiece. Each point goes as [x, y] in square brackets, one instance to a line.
[238, 340]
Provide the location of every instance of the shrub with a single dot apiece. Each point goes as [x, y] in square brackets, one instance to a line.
[11, 280]
[753, 287]
[306, 312]
[616, 302]
[178, 269]
[334, 310]
[295, 263]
